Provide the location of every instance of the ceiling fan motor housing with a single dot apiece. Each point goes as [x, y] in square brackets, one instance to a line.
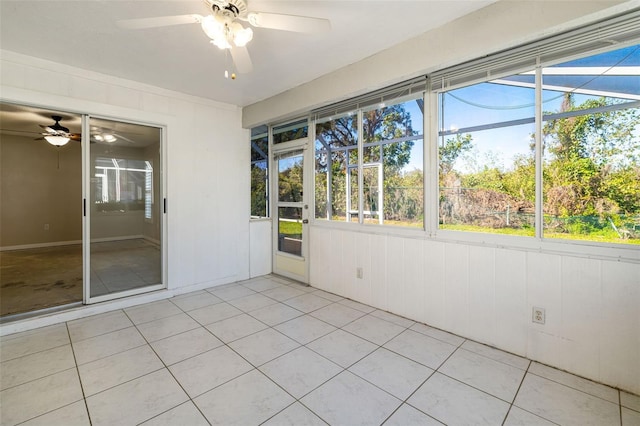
[238, 8]
[57, 126]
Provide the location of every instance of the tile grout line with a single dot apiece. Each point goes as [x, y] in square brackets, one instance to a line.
[189, 399]
[84, 396]
[515, 395]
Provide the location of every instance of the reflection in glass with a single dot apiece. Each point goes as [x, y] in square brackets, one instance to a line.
[290, 230]
[125, 206]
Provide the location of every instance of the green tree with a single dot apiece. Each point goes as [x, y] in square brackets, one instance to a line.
[341, 137]
[593, 160]
[451, 150]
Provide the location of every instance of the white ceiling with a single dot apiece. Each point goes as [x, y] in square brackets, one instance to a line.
[84, 34]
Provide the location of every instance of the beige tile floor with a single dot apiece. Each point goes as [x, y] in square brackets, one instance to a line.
[269, 351]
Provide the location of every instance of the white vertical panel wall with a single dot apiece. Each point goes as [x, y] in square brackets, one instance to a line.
[208, 226]
[260, 247]
[486, 294]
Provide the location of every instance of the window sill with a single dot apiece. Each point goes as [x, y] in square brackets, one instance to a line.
[611, 252]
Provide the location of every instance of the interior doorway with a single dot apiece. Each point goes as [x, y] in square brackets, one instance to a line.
[81, 209]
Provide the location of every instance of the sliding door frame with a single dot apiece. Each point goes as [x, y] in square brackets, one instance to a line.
[86, 213]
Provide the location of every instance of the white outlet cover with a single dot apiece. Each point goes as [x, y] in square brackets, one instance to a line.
[538, 315]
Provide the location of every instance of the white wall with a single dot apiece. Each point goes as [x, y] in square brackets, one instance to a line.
[207, 156]
[486, 293]
[40, 192]
[479, 287]
[260, 251]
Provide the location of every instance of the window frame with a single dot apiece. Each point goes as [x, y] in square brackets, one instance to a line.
[539, 242]
[414, 95]
[582, 42]
[252, 163]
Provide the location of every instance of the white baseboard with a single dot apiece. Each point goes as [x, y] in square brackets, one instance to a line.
[152, 240]
[40, 245]
[119, 238]
[70, 243]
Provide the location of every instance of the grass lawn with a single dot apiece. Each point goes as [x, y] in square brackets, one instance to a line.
[605, 236]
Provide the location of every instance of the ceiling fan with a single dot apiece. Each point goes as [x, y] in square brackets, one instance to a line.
[58, 135]
[222, 26]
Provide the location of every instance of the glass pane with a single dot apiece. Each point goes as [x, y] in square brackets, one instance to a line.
[290, 131]
[290, 178]
[403, 184]
[486, 160]
[290, 230]
[259, 172]
[336, 142]
[394, 143]
[259, 189]
[125, 204]
[371, 192]
[352, 189]
[592, 148]
[393, 122]
[337, 133]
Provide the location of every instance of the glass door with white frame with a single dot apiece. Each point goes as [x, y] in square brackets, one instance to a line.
[291, 213]
[124, 210]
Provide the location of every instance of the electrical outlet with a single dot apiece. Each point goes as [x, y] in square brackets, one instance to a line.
[46, 226]
[538, 315]
[359, 273]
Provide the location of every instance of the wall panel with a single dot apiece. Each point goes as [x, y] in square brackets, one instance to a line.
[486, 294]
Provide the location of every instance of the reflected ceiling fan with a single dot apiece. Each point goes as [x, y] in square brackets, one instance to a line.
[105, 135]
[222, 25]
[58, 135]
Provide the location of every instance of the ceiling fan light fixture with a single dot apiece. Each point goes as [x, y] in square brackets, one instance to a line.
[223, 31]
[57, 140]
[242, 36]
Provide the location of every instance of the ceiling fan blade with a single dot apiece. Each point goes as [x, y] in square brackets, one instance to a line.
[119, 136]
[295, 23]
[241, 59]
[159, 21]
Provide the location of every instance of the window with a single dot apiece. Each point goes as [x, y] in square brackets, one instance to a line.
[381, 182]
[588, 149]
[290, 131]
[336, 183]
[260, 172]
[591, 135]
[392, 168]
[486, 157]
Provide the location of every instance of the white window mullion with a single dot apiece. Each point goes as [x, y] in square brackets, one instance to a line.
[360, 170]
[538, 154]
[431, 185]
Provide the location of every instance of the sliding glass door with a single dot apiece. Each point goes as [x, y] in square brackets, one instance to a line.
[124, 208]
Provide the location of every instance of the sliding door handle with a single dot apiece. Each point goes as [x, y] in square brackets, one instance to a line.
[305, 221]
